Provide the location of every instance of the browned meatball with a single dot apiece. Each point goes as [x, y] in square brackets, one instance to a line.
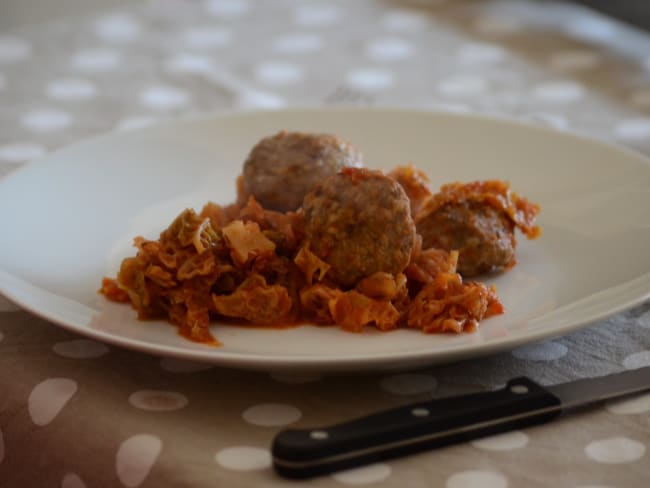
[359, 222]
[483, 235]
[281, 169]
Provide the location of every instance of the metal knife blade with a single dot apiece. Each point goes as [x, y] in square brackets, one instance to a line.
[591, 390]
[425, 425]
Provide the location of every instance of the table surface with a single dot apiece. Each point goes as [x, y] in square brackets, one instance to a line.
[77, 413]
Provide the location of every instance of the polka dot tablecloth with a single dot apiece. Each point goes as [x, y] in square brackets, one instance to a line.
[76, 413]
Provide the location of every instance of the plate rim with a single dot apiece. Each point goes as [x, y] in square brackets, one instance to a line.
[325, 363]
[503, 119]
[319, 363]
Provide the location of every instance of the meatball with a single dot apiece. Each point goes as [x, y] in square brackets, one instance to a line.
[483, 235]
[281, 169]
[359, 222]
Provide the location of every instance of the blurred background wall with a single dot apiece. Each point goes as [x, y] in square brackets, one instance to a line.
[20, 12]
[14, 13]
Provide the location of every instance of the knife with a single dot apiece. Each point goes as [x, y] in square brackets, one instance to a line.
[404, 430]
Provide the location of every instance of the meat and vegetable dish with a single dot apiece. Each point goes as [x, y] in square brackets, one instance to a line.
[315, 237]
[359, 223]
[478, 220]
[281, 169]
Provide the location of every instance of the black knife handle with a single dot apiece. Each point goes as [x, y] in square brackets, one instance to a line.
[412, 428]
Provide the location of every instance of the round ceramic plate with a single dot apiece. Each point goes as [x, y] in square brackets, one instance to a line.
[68, 219]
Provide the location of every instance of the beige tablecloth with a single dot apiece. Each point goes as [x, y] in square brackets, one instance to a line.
[77, 413]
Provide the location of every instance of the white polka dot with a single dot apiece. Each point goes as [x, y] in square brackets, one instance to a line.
[298, 43]
[630, 406]
[136, 122]
[403, 20]
[2, 446]
[543, 351]
[389, 49]
[271, 414]
[408, 384]
[227, 9]
[278, 73]
[189, 63]
[558, 92]
[497, 26]
[547, 119]
[257, 99]
[71, 89]
[316, 15]
[615, 450]
[46, 120]
[158, 400]
[97, 60]
[633, 129]
[7, 305]
[364, 475]
[162, 97]
[19, 152]
[117, 28]
[369, 79]
[477, 479]
[480, 53]
[243, 458]
[637, 360]
[462, 85]
[575, 60]
[206, 38]
[80, 349]
[72, 480]
[502, 442]
[13, 49]
[174, 365]
[296, 378]
[48, 398]
[592, 29]
[135, 458]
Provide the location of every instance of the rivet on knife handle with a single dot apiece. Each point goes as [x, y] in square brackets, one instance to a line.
[416, 427]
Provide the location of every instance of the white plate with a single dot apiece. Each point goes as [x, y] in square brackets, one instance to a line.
[68, 219]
